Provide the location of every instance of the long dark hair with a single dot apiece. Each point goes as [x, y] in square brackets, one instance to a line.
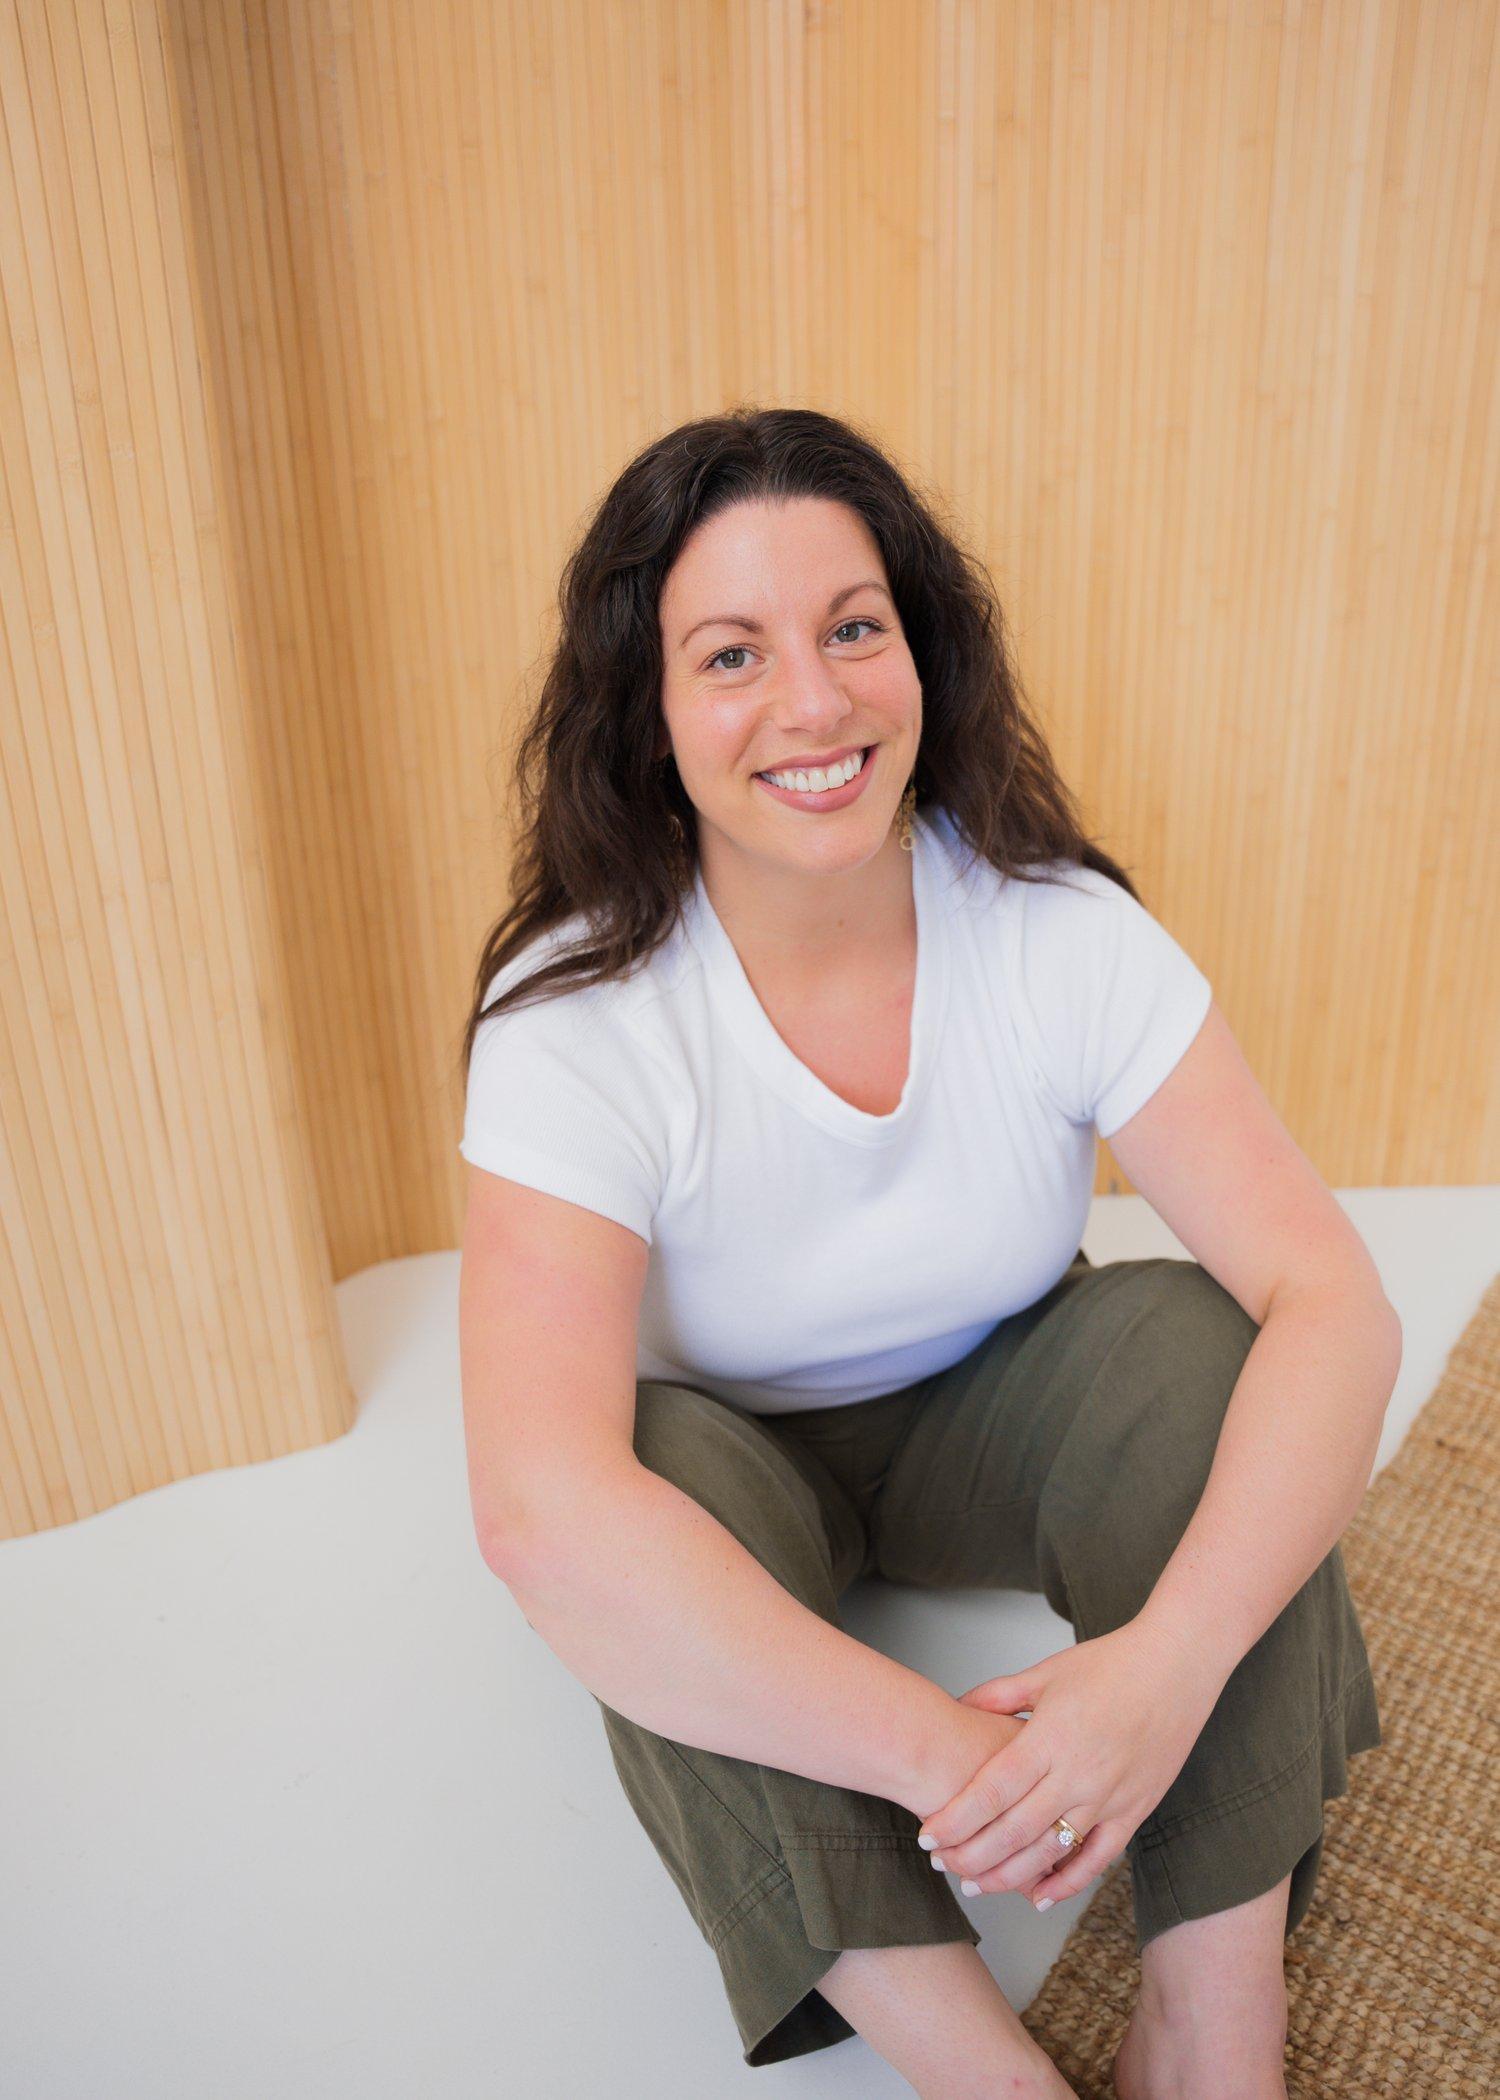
[594, 802]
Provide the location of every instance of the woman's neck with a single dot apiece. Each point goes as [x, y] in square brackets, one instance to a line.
[801, 924]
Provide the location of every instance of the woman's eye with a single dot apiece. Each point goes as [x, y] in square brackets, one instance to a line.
[739, 648]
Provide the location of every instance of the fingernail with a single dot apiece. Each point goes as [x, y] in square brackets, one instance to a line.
[1045, 1902]
[937, 1861]
[926, 1843]
[971, 1888]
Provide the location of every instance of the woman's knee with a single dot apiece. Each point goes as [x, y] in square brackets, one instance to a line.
[1200, 1316]
[692, 1440]
[1177, 1355]
[734, 1468]
[671, 1425]
[1132, 1470]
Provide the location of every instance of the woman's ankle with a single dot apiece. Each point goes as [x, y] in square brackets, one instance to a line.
[1225, 1968]
[1205, 2045]
[937, 2015]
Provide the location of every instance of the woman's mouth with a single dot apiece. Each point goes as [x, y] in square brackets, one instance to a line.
[829, 798]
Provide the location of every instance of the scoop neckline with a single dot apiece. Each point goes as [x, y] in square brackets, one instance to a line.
[755, 1034]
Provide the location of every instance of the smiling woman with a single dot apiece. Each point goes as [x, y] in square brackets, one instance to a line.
[783, 1143]
[828, 681]
[863, 625]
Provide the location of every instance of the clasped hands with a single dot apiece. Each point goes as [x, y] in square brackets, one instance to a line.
[1112, 1722]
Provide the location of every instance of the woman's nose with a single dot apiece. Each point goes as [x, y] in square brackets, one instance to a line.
[810, 696]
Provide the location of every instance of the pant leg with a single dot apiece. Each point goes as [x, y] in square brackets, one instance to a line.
[1067, 1454]
[780, 1872]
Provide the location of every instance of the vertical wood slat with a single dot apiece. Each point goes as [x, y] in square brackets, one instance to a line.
[325, 324]
[164, 1275]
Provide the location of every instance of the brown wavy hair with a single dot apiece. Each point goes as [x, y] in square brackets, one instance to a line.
[594, 802]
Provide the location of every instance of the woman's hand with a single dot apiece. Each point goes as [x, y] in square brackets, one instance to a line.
[1112, 1722]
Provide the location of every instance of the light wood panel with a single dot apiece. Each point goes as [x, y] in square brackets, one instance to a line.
[165, 1292]
[327, 321]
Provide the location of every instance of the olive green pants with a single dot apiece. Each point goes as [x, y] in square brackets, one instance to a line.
[1065, 1454]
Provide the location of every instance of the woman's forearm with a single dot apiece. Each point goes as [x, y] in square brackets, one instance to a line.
[660, 1611]
[1294, 1457]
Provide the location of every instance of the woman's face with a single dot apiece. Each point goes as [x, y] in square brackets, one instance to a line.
[824, 670]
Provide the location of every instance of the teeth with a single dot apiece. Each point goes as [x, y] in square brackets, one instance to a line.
[820, 778]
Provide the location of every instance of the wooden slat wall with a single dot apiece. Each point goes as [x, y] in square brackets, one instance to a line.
[165, 1292]
[325, 322]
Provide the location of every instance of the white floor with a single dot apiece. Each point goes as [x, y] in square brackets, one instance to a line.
[296, 1803]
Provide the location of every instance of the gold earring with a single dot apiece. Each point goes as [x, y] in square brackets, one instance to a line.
[905, 813]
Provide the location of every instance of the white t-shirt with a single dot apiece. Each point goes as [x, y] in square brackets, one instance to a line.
[803, 1252]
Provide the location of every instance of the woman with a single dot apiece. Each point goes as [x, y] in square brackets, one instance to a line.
[782, 1100]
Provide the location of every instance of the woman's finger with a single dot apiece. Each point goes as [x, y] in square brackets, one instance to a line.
[1100, 1848]
[997, 1793]
[1023, 1868]
[1006, 1835]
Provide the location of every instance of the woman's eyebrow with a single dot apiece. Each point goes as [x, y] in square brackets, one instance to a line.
[867, 583]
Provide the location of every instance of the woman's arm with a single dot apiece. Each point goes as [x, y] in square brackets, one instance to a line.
[660, 1611]
[641, 1592]
[1302, 1429]
[1294, 1458]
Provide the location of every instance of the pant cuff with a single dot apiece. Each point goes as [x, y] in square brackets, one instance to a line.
[1228, 1853]
[837, 1890]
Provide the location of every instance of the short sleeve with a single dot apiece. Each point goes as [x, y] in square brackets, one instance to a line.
[1113, 1000]
[559, 1098]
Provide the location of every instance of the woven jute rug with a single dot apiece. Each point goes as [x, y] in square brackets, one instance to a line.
[1393, 1977]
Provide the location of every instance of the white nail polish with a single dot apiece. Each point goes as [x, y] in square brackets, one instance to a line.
[1045, 1902]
